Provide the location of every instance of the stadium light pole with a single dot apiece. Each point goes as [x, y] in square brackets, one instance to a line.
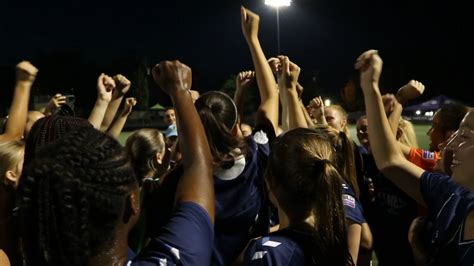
[277, 4]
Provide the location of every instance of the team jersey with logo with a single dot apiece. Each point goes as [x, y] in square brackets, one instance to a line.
[449, 205]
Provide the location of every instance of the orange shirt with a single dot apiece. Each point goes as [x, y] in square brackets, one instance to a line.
[423, 158]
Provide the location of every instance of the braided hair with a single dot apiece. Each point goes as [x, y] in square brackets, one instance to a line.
[73, 198]
[48, 129]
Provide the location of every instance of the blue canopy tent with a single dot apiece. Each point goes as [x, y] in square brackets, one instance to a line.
[430, 105]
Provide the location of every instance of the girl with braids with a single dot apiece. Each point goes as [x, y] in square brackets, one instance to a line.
[306, 187]
[80, 196]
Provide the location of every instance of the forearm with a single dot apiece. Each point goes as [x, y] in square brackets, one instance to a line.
[307, 117]
[110, 113]
[196, 184]
[117, 126]
[296, 116]
[285, 117]
[394, 118]
[383, 143]
[266, 83]
[239, 101]
[97, 113]
[18, 111]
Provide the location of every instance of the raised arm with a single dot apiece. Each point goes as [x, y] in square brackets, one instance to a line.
[105, 86]
[307, 117]
[196, 184]
[268, 109]
[122, 86]
[287, 85]
[243, 80]
[16, 123]
[393, 109]
[118, 124]
[387, 154]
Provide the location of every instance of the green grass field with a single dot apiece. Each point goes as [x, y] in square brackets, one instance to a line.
[423, 140]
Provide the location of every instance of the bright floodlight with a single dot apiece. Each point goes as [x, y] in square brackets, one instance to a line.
[327, 102]
[418, 112]
[278, 3]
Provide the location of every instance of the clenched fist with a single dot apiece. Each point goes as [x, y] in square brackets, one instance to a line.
[25, 71]
[173, 76]
[250, 22]
[122, 85]
[410, 91]
[105, 87]
[370, 66]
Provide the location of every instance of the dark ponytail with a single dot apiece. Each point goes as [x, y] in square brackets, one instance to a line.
[219, 116]
[330, 229]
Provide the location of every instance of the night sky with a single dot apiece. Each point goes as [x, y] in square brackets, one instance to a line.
[72, 44]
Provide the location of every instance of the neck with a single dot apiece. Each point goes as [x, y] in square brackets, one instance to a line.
[116, 253]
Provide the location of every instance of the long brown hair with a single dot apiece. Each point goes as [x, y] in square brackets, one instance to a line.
[305, 182]
[344, 157]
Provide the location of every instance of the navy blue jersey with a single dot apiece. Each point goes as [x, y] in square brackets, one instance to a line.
[277, 249]
[389, 217]
[352, 208]
[187, 239]
[449, 205]
[241, 212]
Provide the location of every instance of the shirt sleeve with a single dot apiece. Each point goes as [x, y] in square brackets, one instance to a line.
[423, 158]
[435, 189]
[353, 209]
[187, 239]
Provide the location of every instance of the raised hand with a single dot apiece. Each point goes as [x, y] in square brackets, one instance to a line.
[105, 87]
[316, 106]
[370, 66]
[173, 76]
[389, 102]
[25, 71]
[55, 102]
[122, 85]
[410, 91]
[129, 104]
[244, 79]
[250, 22]
[289, 75]
[275, 65]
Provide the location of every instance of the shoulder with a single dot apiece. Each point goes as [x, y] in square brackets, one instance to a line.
[274, 250]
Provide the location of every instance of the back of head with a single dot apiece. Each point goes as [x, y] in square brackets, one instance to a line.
[344, 159]
[451, 115]
[48, 129]
[305, 183]
[73, 198]
[406, 133]
[143, 146]
[11, 153]
[218, 114]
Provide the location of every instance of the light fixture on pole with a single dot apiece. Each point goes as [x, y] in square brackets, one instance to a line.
[277, 4]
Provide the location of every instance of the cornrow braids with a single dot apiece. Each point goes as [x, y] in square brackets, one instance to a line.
[48, 129]
[73, 197]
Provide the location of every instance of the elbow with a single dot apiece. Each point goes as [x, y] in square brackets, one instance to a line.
[388, 166]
